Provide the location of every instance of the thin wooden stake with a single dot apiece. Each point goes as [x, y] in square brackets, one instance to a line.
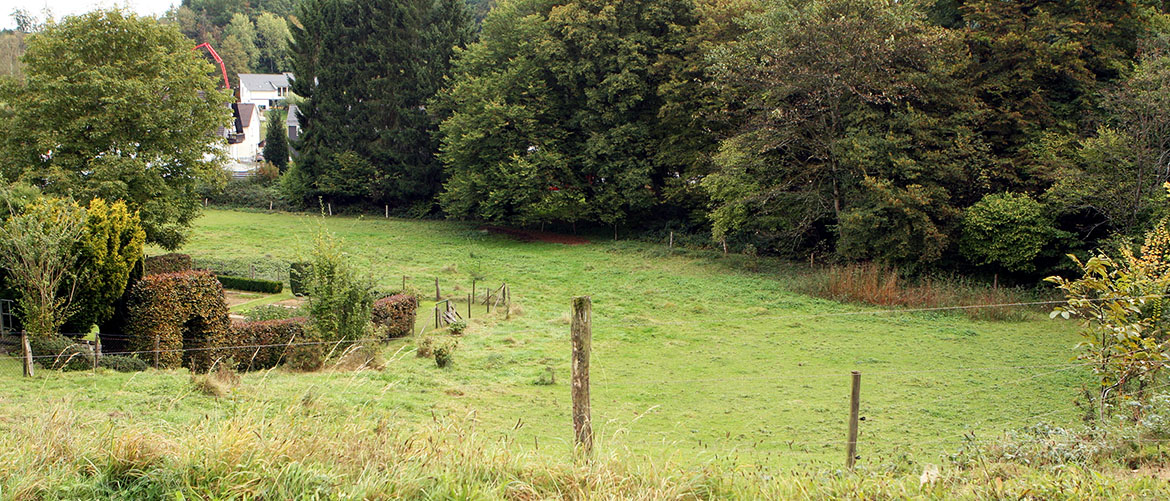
[507, 302]
[437, 296]
[436, 316]
[270, 205]
[581, 332]
[156, 351]
[387, 212]
[854, 406]
[330, 208]
[28, 364]
[671, 240]
[469, 306]
[97, 350]
[403, 283]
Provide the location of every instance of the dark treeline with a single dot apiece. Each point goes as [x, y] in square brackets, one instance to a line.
[949, 134]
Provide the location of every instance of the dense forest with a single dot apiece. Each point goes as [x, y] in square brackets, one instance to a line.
[972, 135]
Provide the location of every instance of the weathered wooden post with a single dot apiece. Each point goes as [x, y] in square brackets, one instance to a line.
[671, 240]
[437, 295]
[97, 351]
[507, 302]
[854, 405]
[330, 208]
[387, 212]
[469, 296]
[156, 351]
[581, 332]
[27, 359]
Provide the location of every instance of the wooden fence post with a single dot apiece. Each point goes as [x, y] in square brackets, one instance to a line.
[387, 212]
[469, 296]
[507, 302]
[404, 283]
[27, 359]
[97, 351]
[854, 405]
[582, 337]
[156, 351]
[437, 295]
[436, 316]
[671, 240]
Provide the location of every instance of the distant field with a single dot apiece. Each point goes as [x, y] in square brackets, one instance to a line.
[694, 360]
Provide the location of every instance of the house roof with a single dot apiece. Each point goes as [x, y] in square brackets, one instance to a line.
[264, 81]
[246, 110]
[291, 120]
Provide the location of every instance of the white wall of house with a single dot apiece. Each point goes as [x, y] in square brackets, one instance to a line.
[263, 90]
[247, 150]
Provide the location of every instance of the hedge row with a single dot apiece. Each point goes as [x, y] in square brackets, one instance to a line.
[166, 263]
[269, 343]
[173, 312]
[396, 313]
[268, 268]
[250, 284]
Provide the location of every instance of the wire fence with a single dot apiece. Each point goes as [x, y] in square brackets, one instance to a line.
[794, 410]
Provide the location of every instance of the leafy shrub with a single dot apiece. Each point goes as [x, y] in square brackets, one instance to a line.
[1009, 230]
[166, 263]
[265, 344]
[250, 284]
[457, 327]
[256, 192]
[396, 314]
[339, 300]
[445, 353]
[271, 312]
[122, 363]
[173, 307]
[60, 353]
[298, 276]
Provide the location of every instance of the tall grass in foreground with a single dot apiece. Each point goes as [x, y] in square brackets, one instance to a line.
[292, 454]
[882, 285]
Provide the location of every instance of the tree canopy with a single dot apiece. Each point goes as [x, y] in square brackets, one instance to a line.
[119, 107]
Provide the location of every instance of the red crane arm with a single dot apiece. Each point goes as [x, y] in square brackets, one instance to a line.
[222, 68]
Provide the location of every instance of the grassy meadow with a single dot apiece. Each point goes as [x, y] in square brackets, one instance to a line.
[697, 363]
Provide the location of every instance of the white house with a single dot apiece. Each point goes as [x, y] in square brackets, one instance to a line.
[264, 90]
[244, 141]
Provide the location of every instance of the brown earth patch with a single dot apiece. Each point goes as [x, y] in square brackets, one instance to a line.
[537, 236]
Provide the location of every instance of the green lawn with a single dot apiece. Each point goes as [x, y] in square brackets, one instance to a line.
[694, 360]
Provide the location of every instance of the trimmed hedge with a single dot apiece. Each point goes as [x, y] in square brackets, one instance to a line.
[275, 341]
[250, 284]
[267, 268]
[396, 313]
[181, 311]
[298, 277]
[167, 263]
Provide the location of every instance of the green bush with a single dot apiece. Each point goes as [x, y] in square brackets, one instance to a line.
[265, 344]
[181, 311]
[1009, 230]
[298, 276]
[396, 314]
[122, 363]
[457, 327]
[166, 263]
[445, 353]
[61, 353]
[339, 300]
[250, 284]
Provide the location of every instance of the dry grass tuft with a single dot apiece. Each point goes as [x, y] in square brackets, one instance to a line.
[218, 383]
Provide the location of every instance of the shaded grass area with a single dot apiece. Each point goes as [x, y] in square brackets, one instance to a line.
[696, 360]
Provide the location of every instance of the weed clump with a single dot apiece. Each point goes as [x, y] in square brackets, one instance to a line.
[445, 353]
[218, 383]
[426, 347]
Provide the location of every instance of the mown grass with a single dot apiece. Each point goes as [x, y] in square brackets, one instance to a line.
[701, 370]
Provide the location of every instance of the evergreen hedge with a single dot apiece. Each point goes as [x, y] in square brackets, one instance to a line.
[250, 284]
